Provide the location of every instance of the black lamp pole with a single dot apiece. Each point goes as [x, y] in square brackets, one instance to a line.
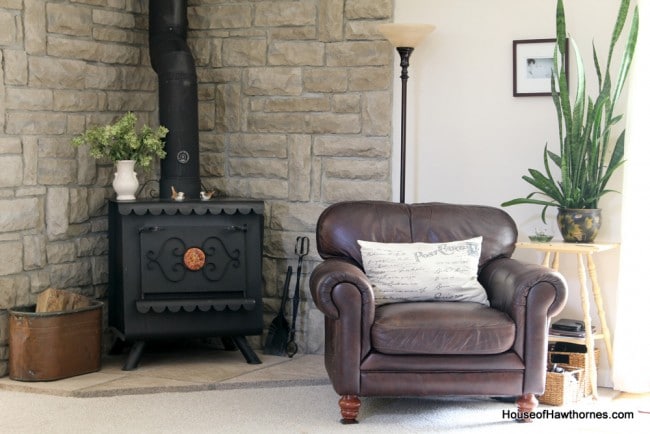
[404, 54]
[404, 37]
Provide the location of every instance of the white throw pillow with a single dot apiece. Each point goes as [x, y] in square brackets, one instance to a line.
[424, 271]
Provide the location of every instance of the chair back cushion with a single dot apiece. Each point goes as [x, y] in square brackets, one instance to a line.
[342, 224]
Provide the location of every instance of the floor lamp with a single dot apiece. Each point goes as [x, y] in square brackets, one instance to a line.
[404, 38]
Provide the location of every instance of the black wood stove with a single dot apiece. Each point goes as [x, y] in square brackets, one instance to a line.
[181, 269]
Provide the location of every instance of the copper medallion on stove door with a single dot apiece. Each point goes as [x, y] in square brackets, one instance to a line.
[194, 258]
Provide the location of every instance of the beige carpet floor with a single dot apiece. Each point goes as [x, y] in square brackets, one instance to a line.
[294, 409]
[216, 391]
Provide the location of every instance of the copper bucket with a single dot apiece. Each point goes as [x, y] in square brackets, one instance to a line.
[54, 345]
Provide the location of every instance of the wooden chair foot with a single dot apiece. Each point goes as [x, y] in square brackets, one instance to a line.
[526, 403]
[349, 405]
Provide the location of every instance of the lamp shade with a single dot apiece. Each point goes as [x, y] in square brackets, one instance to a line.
[405, 34]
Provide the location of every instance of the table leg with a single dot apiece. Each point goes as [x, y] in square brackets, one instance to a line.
[595, 287]
[556, 261]
[590, 365]
[547, 259]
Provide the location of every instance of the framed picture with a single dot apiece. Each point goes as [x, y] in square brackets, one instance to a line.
[532, 66]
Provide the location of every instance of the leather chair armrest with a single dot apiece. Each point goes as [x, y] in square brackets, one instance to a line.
[508, 283]
[332, 272]
[341, 290]
[531, 294]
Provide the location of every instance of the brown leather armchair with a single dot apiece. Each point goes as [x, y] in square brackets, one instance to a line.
[438, 357]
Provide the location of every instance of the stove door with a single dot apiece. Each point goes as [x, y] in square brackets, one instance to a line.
[193, 260]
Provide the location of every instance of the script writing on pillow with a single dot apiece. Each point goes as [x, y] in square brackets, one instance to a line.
[424, 271]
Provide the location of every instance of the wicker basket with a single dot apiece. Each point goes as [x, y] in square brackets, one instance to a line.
[577, 360]
[563, 388]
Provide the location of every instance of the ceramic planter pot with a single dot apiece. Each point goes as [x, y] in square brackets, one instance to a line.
[578, 225]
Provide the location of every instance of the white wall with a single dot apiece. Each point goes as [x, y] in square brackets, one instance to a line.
[469, 140]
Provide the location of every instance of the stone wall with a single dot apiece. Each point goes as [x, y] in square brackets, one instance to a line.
[295, 109]
[65, 65]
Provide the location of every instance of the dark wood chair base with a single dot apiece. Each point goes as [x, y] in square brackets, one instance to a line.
[349, 405]
[526, 404]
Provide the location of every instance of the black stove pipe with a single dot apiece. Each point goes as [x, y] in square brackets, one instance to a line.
[172, 60]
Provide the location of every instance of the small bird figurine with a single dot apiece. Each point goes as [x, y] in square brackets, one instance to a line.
[207, 195]
[177, 195]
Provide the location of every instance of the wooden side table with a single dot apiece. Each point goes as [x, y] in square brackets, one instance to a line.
[582, 251]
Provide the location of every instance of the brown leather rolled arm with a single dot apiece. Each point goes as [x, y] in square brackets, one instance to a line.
[343, 293]
[509, 281]
[531, 294]
[332, 272]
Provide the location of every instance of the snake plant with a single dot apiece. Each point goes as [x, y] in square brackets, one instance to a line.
[587, 159]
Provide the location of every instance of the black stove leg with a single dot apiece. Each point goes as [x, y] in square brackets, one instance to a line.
[134, 356]
[117, 347]
[246, 350]
[228, 343]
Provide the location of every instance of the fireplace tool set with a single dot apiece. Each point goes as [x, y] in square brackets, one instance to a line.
[278, 335]
[281, 338]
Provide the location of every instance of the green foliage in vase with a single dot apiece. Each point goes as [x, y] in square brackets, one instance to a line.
[587, 159]
[122, 141]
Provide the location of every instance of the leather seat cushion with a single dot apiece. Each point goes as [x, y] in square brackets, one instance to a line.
[441, 328]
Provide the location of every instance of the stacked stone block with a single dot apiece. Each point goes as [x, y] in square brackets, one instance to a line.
[294, 104]
[4, 342]
[65, 65]
[295, 109]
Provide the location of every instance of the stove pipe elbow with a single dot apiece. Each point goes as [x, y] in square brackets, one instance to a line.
[172, 60]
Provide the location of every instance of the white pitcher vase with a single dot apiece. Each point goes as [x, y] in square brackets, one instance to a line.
[125, 182]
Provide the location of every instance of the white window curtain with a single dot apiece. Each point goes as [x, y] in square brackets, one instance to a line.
[632, 337]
